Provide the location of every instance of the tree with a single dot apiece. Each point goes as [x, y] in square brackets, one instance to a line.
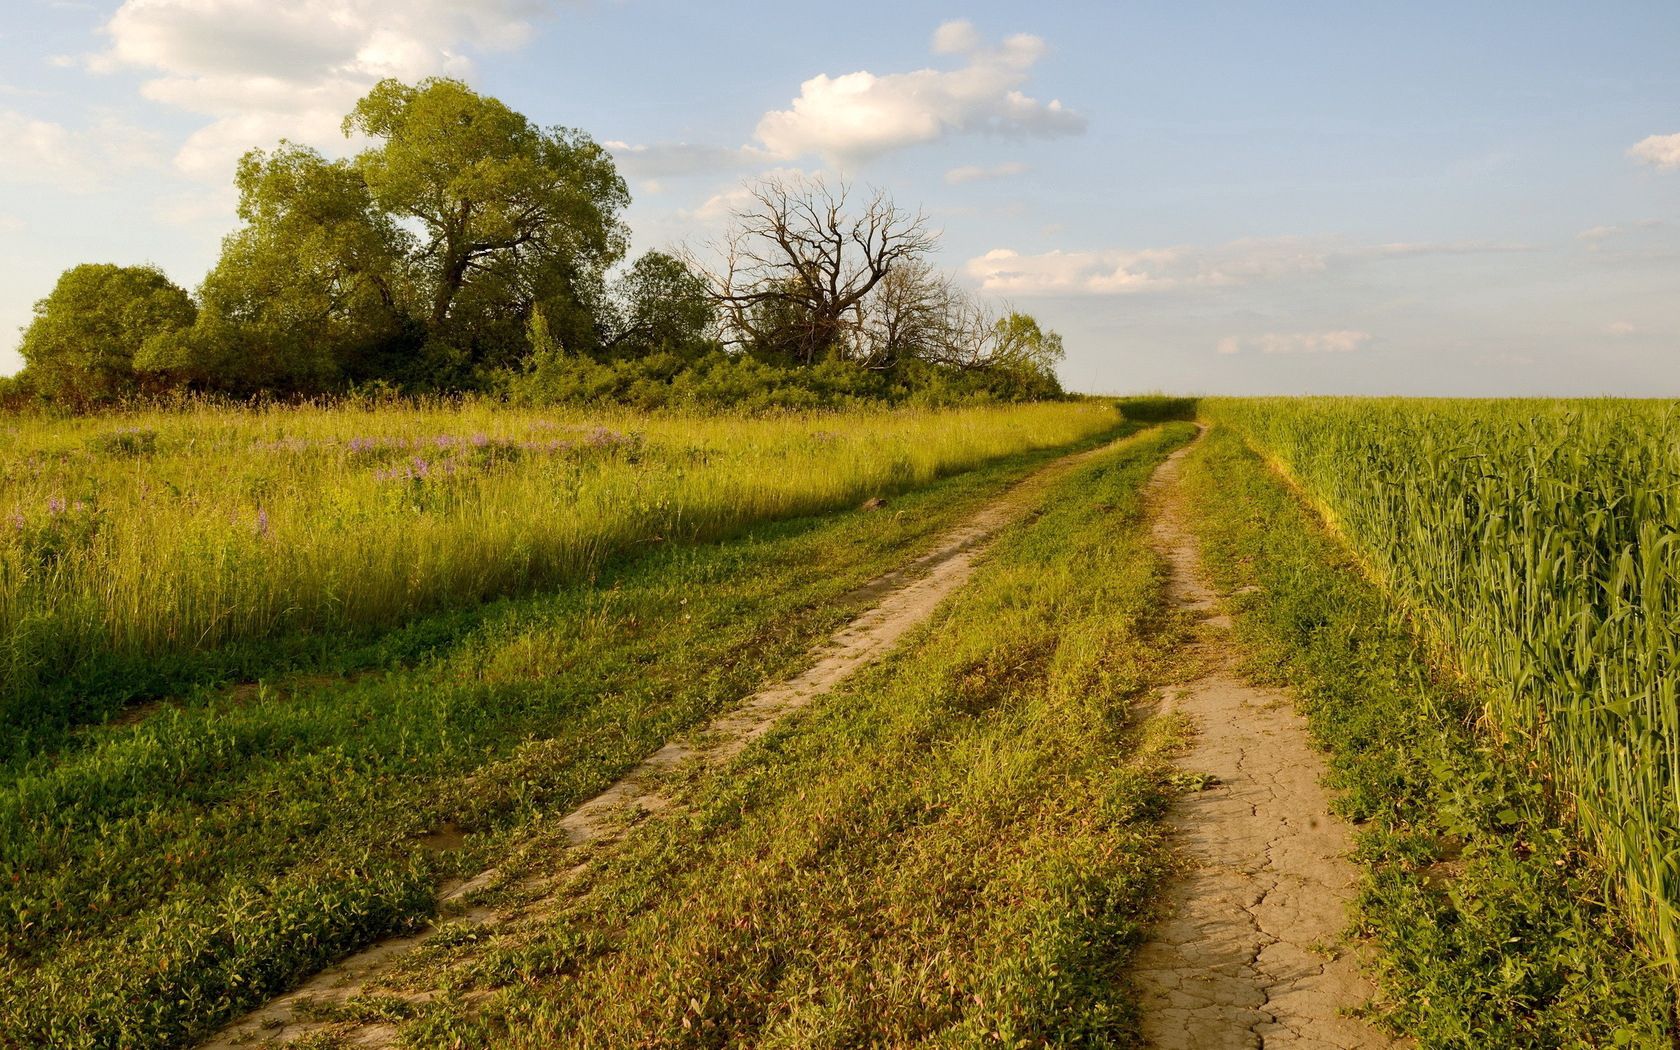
[915, 313]
[81, 346]
[659, 304]
[314, 285]
[1019, 355]
[511, 215]
[798, 265]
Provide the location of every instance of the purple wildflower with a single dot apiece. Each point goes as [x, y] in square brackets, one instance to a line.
[480, 440]
[16, 519]
[421, 468]
[55, 506]
[361, 444]
[262, 522]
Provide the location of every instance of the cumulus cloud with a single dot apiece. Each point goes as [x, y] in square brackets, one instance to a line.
[1620, 328]
[1661, 151]
[977, 173]
[262, 70]
[860, 115]
[1337, 341]
[42, 152]
[1240, 262]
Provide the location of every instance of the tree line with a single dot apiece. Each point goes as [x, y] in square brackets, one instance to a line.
[468, 249]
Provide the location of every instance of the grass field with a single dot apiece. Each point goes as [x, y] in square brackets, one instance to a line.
[274, 676]
[161, 874]
[957, 848]
[142, 554]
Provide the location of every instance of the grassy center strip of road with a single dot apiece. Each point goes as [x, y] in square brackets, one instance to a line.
[1487, 914]
[955, 847]
[162, 876]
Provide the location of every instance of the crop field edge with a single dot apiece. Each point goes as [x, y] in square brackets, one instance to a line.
[1485, 915]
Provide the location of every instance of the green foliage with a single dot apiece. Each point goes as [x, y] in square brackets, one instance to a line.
[254, 526]
[715, 379]
[163, 872]
[1025, 347]
[659, 306]
[87, 335]
[461, 247]
[1490, 917]
[311, 290]
[514, 216]
[1536, 542]
[957, 848]
[1157, 408]
[18, 393]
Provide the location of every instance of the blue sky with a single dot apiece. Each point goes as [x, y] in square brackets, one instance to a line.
[1220, 198]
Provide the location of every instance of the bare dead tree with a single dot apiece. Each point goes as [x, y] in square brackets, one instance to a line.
[799, 264]
[913, 313]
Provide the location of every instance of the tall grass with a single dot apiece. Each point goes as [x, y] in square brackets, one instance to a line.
[126, 539]
[1539, 541]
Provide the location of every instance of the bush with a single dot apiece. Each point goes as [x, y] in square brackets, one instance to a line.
[1157, 408]
[713, 378]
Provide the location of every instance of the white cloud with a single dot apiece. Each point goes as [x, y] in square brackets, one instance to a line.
[861, 115]
[957, 37]
[264, 70]
[1337, 341]
[977, 173]
[1663, 151]
[41, 152]
[1620, 328]
[1241, 262]
[669, 159]
[1600, 238]
[721, 205]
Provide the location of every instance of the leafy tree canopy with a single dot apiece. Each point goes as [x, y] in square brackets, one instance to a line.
[512, 215]
[82, 344]
[466, 247]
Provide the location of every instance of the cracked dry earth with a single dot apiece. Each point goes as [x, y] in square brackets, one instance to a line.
[902, 599]
[1248, 953]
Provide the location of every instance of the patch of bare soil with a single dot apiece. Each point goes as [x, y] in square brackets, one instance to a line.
[1249, 951]
[904, 599]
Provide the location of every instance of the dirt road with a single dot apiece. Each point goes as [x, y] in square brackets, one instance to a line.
[1248, 954]
[903, 599]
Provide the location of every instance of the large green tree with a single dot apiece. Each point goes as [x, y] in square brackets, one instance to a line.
[313, 288]
[512, 216]
[81, 346]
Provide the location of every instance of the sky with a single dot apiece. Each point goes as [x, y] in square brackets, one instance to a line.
[1219, 198]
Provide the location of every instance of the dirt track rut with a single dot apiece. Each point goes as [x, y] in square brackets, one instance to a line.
[905, 598]
[1248, 952]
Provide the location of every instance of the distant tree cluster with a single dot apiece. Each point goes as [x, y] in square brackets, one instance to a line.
[469, 249]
